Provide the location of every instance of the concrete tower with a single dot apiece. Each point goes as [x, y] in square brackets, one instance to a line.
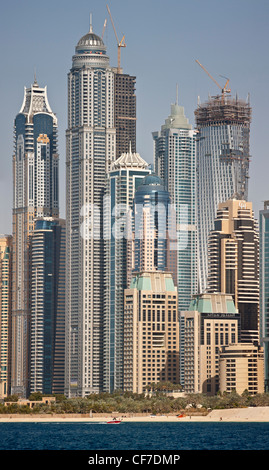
[233, 262]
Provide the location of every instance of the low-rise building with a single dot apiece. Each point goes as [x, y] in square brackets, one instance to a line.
[151, 331]
[211, 322]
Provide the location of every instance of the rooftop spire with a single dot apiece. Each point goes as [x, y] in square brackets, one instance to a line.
[35, 80]
[90, 22]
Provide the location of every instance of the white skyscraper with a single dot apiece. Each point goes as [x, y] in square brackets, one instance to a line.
[125, 176]
[175, 163]
[223, 125]
[91, 148]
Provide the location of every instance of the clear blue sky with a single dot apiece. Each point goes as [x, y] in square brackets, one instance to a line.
[229, 37]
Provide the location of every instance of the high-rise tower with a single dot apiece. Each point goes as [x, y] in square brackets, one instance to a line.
[126, 175]
[47, 271]
[175, 164]
[264, 287]
[154, 228]
[223, 125]
[5, 313]
[125, 112]
[35, 183]
[233, 262]
[91, 148]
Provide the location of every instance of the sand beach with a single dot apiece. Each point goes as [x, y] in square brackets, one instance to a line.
[255, 414]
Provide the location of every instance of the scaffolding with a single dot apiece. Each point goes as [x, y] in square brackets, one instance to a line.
[219, 111]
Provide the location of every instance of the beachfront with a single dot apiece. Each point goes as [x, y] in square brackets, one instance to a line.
[254, 414]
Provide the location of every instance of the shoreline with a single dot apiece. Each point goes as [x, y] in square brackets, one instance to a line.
[253, 414]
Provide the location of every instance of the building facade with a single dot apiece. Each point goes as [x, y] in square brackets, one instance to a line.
[125, 112]
[47, 306]
[154, 245]
[241, 368]
[125, 176]
[233, 262]
[35, 183]
[211, 322]
[175, 164]
[151, 339]
[264, 288]
[91, 148]
[223, 125]
[5, 313]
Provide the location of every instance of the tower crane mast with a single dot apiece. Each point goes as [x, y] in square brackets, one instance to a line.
[119, 43]
[223, 89]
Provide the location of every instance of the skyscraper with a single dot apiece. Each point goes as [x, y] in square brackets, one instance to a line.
[175, 163]
[91, 148]
[264, 288]
[35, 183]
[223, 125]
[47, 306]
[126, 175]
[154, 228]
[233, 262]
[125, 112]
[5, 313]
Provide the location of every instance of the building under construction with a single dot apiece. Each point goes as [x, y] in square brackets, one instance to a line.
[223, 109]
[223, 125]
[125, 113]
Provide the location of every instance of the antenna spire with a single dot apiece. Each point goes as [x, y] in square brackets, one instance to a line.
[177, 94]
[35, 80]
[90, 22]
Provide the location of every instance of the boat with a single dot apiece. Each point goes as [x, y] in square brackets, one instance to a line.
[114, 421]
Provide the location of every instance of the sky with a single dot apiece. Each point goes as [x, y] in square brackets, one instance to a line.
[163, 40]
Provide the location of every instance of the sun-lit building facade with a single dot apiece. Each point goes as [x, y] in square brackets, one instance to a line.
[91, 148]
[5, 313]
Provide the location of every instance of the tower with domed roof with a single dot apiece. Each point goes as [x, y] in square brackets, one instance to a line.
[90, 151]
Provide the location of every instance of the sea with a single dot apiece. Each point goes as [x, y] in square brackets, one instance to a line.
[162, 443]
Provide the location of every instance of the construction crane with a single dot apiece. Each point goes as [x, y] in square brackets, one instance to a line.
[104, 27]
[119, 44]
[223, 89]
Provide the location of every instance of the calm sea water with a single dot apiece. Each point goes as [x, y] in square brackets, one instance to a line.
[134, 436]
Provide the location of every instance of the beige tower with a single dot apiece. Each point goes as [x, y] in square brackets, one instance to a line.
[151, 331]
[233, 262]
[241, 367]
[5, 313]
[211, 323]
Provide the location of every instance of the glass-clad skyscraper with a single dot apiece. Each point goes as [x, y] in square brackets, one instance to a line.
[91, 148]
[264, 287]
[47, 306]
[174, 148]
[154, 228]
[223, 125]
[35, 194]
[126, 175]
